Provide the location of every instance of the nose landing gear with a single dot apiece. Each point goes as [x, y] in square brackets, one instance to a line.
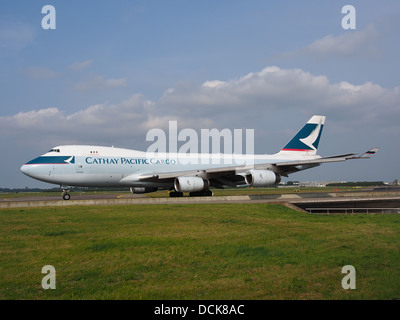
[65, 194]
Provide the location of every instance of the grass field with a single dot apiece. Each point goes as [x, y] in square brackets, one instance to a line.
[207, 251]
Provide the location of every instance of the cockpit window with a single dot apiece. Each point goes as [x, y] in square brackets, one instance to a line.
[54, 150]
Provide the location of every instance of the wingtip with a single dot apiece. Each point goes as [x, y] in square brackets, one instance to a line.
[372, 151]
[368, 154]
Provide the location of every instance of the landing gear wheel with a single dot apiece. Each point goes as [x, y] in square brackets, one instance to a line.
[203, 193]
[174, 194]
[65, 194]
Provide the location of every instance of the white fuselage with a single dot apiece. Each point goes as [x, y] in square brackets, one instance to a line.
[94, 166]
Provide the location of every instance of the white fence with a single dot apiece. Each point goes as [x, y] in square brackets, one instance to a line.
[354, 210]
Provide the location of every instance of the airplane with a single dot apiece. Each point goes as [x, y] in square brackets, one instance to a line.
[97, 166]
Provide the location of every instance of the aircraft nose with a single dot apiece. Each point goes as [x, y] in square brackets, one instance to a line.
[25, 169]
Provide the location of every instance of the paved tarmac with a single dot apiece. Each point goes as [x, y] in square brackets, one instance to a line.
[76, 196]
[301, 201]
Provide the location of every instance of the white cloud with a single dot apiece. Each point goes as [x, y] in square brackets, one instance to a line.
[40, 73]
[14, 36]
[351, 43]
[348, 43]
[249, 101]
[98, 82]
[213, 84]
[245, 102]
[79, 66]
[54, 119]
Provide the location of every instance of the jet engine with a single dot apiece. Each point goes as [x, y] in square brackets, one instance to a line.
[262, 178]
[141, 190]
[190, 184]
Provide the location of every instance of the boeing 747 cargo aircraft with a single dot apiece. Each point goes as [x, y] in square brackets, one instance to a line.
[94, 166]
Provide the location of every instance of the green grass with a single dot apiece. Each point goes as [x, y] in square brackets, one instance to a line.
[207, 251]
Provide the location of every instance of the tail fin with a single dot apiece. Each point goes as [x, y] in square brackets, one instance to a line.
[307, 139]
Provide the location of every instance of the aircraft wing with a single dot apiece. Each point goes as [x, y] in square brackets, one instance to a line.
[234, 175]
[284, 168]
[206, 174]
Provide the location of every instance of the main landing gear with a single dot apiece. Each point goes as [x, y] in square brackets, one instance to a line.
[203, 193]
[65, 194]
[175, 194]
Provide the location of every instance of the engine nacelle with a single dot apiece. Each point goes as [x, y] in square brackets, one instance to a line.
[141, 190]
[262, 178]
[190, 184]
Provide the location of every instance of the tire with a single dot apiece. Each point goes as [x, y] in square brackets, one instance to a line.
[175, 194]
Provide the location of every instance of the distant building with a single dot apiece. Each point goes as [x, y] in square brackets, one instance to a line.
[309, 184]
[396, 182]
[313, 184]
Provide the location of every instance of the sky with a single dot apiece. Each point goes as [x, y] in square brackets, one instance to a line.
[111, 71]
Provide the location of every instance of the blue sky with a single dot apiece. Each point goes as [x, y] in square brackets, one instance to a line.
[112, 70]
